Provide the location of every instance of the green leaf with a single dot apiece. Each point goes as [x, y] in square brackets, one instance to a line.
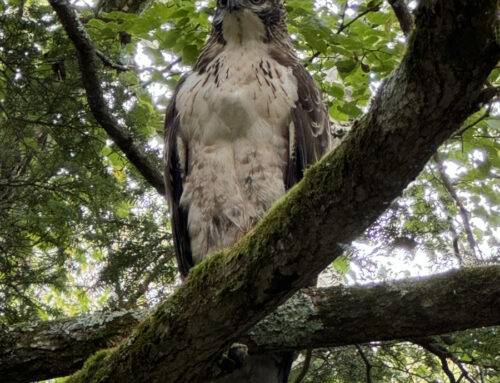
[484, 169]
[351, 109]
[129, 78]
[122, 210]
[119, 174]
[96, 23]
[370, 40]
[336, 90]
[341, 265]
[106, 150]
[346, 66]
[335, 112]
[378, 18]
[30, 142]
[141, 114]
[116, 159]
[189, 54]
[314, 39]
[493, 123]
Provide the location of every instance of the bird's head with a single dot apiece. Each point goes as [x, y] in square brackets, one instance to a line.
[240, 20]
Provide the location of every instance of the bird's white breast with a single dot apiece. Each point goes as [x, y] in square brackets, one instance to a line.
[234, 133]
[241, 90]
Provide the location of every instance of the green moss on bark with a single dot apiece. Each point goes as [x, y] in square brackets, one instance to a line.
[95, 368]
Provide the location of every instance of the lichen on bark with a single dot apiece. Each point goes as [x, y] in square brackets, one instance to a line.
[287, 325]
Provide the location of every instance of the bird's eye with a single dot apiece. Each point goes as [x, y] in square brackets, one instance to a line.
[223, 3]
[257, 2]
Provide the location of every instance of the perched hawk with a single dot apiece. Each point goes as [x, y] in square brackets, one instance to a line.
[241, 128]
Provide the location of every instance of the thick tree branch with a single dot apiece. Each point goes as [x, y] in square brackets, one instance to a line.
[457, 300]
[87, 58]
[403, 14]
[40, 351]
[438, 84]
[329, 317]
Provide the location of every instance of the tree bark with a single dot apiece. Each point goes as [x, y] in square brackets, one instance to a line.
[439, 83]
[402, 310]
[403, 14]
[40, 351]
[312, 318]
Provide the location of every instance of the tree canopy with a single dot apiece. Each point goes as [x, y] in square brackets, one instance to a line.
[84, 226]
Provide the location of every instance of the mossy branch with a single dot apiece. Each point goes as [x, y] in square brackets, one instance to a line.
[312, 318]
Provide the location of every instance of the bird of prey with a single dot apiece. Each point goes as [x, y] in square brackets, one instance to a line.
[240, 129]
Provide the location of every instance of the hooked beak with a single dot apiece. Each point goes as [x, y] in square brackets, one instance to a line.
[231, 5]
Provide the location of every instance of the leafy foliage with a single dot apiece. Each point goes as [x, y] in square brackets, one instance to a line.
[67, 195]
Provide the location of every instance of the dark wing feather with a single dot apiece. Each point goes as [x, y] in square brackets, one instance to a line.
[310, 135]
[174, 178]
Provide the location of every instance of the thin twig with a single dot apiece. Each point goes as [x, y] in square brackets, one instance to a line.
[367, 364]
[109, 63]
[342, 15]
[464, 214]
[431, 345]
[485, 115]
[358, 16]
[454, 234]
[305, 367]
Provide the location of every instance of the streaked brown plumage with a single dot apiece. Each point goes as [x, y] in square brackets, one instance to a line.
[240, 129]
